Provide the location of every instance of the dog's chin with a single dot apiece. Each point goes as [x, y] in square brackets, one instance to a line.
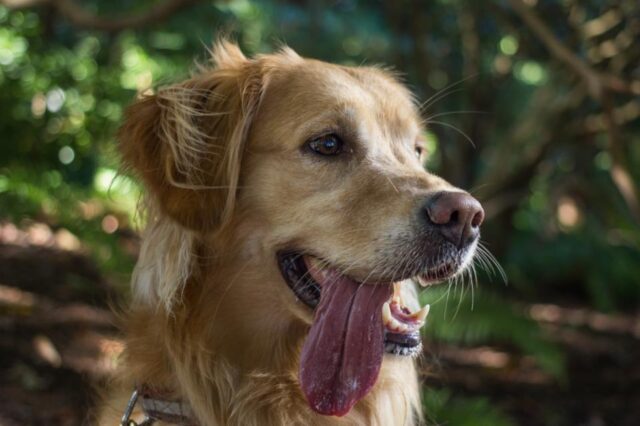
[306, 274]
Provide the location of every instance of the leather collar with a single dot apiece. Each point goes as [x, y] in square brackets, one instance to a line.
[158, 405]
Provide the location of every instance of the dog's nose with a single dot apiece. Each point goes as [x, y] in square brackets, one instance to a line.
[457, 214]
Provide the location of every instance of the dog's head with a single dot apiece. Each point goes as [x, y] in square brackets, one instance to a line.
[312, 176]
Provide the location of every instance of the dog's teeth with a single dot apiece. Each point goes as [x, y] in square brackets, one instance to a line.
[423, 281]
[318, 271]
[397, 326]
[386, 313]
[421, 315]
[397, 294]
[315, 262]
[390, 322]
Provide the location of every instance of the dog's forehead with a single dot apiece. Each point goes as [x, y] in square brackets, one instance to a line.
[368, 85]
[313, 88]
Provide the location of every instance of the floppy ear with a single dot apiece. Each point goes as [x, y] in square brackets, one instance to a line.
[186, 142]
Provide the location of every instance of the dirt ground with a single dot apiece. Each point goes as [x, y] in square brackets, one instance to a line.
[58, 343]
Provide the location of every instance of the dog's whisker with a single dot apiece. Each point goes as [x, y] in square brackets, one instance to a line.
[444, 92]
[233, 280]
[445, 114]
[480, 259]
[492, 262]
[460, 297]
[451, 126]
[474, 284]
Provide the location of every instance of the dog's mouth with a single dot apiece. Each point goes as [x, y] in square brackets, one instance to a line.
[306, 274]
[355, 323]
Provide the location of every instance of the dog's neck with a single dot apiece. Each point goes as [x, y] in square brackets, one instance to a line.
[221, 392]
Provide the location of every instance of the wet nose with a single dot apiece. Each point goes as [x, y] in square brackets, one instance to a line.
[457, 214]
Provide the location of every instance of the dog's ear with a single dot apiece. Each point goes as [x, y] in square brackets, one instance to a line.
[186, 141]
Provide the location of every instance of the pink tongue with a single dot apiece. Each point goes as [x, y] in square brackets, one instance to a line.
[343, 352]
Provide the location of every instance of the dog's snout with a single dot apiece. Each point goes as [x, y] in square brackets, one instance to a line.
[457, 215]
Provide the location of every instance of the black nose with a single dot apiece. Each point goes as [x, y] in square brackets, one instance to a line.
[457, 214]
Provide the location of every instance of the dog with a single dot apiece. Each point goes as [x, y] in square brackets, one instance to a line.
[289, 216]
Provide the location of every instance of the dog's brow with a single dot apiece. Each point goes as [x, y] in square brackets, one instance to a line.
[343, 120]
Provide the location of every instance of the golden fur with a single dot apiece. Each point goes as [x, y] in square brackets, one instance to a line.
[228, 185]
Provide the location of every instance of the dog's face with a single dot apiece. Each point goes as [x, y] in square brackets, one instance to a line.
[334, 166]
[314, 175]
[334, 171]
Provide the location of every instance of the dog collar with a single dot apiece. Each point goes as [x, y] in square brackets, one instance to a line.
[157, 405]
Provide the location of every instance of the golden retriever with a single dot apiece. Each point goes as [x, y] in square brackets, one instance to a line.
[288, 216]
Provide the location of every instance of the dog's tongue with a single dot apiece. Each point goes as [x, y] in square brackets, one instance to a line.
[341, 357]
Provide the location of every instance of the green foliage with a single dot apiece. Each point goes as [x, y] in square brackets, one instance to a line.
[45, 196]
[441, 407]
[599, 267]
[460, 317]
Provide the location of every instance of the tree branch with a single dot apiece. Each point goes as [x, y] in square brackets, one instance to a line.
[81, 18]
[600, 86]
[596, 82]
[619, 172]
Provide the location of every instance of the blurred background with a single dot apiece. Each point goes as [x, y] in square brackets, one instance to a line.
[533, 105]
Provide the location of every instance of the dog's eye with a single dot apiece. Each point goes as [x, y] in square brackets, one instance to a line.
[326, 145]
[419, 151]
